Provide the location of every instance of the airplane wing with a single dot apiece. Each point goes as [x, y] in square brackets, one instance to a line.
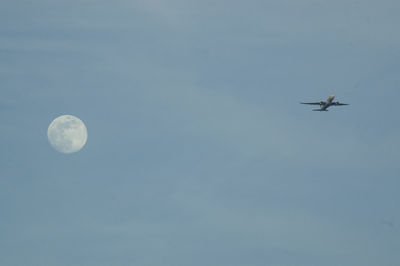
[338, 103]
[315, 103]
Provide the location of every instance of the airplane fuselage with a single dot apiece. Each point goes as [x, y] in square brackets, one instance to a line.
[324, 105]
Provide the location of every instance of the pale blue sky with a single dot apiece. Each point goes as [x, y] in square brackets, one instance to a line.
[199, 152]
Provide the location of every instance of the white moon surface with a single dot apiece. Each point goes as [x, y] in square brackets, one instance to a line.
[67, 134]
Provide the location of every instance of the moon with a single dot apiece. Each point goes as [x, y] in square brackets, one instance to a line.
[67, 134]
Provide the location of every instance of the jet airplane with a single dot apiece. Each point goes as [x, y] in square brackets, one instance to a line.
[324, 105]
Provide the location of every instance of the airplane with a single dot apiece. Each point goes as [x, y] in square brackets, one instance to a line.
[323, 106]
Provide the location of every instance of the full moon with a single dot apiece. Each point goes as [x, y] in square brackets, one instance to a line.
[67, 134]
